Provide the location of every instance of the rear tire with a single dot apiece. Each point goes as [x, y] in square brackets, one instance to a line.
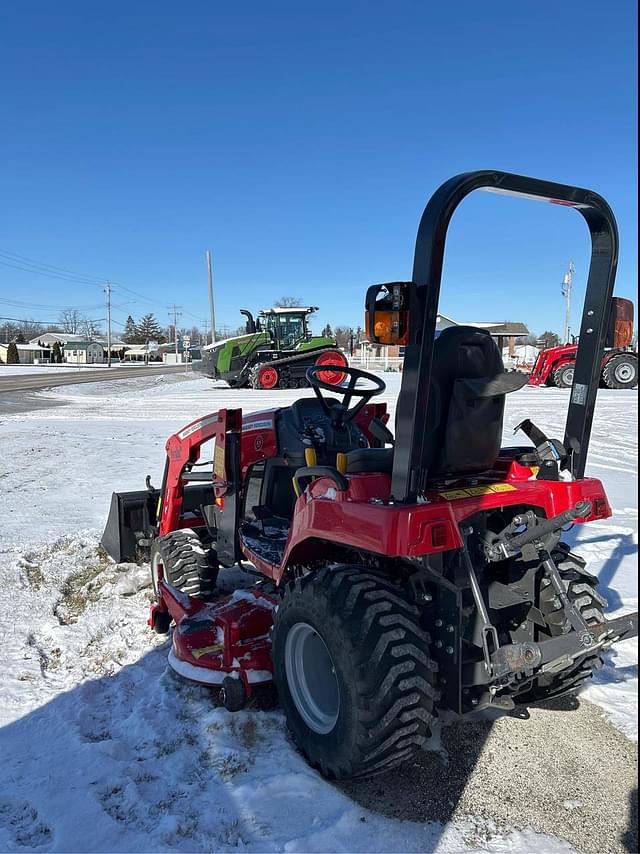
[186, 564]
[621, 372]
[563, 377]
[581, 590]
[353, 672]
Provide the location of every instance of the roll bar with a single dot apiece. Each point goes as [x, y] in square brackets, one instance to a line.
[409, 471]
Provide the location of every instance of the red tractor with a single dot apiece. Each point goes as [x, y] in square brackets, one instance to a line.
[555, 366]
[396, 577]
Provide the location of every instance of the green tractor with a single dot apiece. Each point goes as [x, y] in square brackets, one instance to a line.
[275, 352]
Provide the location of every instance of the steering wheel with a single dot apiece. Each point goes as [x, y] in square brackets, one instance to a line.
[342, 413]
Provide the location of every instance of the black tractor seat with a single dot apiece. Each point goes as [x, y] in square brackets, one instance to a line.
[370, 460]
[464, 417]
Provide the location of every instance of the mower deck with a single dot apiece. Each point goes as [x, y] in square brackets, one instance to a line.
[225, 638]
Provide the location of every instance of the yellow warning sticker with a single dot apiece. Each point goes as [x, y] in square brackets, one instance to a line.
[473, 491]
[218, 463]
[454, 494]
[198, 653]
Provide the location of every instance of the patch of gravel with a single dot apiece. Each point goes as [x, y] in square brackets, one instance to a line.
[563, 771]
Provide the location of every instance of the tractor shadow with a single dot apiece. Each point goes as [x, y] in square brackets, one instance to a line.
[143, 761]
[532, 768]
[135, 761]
[625, 547]
[630, 836]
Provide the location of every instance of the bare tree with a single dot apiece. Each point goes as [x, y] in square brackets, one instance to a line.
[527, 339]
[30, 329]
[288, 302]
[343, 334]
[70, 320]
[89, 328]
[551, 339]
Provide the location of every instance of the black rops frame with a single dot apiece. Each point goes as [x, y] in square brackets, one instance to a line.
[409, 470]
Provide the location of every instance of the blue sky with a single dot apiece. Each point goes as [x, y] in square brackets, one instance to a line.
[300, 143]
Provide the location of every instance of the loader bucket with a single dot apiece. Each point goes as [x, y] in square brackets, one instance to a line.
[130, 521]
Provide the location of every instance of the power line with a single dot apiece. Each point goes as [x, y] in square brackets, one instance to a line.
[43, 306]
[78, 280]
[23, 263]
[15, 256]
[47, 322]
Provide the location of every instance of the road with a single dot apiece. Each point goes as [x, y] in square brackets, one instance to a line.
[30, 382]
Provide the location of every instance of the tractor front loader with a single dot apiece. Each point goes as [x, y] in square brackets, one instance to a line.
[397, 576]
[555, 366]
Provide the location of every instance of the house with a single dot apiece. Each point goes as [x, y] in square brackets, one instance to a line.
[67, 339]
[61, 337]
[140, 353]
[29, 354]
[504, 333]
[83, 353]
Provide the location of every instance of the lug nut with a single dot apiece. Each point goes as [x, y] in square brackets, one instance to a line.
[449, 650]
[438, 644]
[451, 628]
[438, 623]
[426, 597]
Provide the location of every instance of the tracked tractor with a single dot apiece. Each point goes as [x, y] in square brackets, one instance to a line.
[275, 352]
[399, 574]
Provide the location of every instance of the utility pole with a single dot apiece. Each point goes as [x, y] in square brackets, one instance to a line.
[567, 287]
[205, 324]
[212, 312]
[107, 289]
[174, 310]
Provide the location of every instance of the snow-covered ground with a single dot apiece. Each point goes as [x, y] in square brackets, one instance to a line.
[13, 370]
[102, 748]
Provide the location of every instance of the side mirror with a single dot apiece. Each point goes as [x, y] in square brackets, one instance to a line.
[620, 328]
[387, 313]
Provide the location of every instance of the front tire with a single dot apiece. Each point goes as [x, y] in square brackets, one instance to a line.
[621, 372]
[185, 564]
[563, 377]
[353, 672]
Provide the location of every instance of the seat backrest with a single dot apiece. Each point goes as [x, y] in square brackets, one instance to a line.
[466, 402]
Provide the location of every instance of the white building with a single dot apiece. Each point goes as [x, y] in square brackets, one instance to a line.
[83, 353]
[61, 337]
[29, 354]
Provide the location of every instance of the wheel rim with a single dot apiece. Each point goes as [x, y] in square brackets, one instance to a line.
[268, 378]
[311, 678]
[624, 372]
[331, 377]
[568, 377]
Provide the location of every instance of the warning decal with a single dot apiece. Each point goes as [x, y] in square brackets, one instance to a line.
[218, 463]
[473, 491]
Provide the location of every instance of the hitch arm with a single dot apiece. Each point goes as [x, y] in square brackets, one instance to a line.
[558, 653]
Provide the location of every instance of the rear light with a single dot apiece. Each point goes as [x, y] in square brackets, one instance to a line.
[439, 536]
[220, 503]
